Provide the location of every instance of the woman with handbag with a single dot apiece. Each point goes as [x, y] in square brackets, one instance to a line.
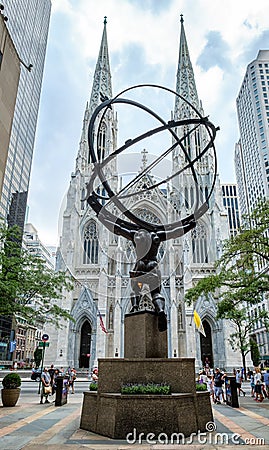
[73, 376]
[46, 386]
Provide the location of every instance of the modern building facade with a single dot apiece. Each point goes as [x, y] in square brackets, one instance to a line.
[100, 262]
[27, 336]
[9, 79]
[28, 24]
[230, 202]
[252, 160]
[252, 150]
[34, 245]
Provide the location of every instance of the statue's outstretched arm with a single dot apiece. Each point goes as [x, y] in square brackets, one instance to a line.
[178, 231]
[116, 226]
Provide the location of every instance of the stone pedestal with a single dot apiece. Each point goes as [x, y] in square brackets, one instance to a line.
[116, 415]
[142, 338]
[112, 414]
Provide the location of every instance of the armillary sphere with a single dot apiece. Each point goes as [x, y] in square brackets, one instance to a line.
[96, 200]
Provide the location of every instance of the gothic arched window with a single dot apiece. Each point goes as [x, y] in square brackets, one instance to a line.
[180, 317]
[101, 144]
[206, 193]
[101, 192]
[110, 318]
[82, 198]
[186, 194]
[90, 243]
[197, 142]
[191, 197]
[129, 257]
[199, 244]
[187, 141]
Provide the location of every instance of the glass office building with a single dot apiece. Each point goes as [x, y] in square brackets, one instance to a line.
[230, 201]
[28, 24]
[252, 150]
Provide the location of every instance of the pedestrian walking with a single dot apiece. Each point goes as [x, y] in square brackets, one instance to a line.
[210, 386]
[202, 377]
[252, 384]
[258, 385]
[51, 372]
[218, 381]
[55, 376]
[266, 382]
[73, 377]
[46, 386]
[238, 380]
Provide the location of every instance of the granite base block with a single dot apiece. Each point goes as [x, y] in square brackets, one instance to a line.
[120, 415]
[115, 415]
[142, 339]
[179, 373]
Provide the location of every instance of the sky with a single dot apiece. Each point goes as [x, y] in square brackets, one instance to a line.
[143, 42]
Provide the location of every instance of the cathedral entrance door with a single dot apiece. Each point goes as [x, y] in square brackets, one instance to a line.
[206, 345]
[85, 345]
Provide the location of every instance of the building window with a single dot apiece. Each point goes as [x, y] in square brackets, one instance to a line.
[101, 144]
[82, 204]
[199, 244]
[110, 318]
[180, 318]
[91, 245]
[186, 194]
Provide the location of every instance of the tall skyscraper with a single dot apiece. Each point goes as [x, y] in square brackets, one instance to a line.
[9, 79]
[252, 150]
[28, 24]
[100, 262]
[230, 201]
[252, 160]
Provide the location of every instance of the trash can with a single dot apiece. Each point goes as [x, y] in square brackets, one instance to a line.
[61, 391]
[231, 392]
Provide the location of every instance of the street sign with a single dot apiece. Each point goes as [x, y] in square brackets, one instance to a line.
[45, 337]
[43, 344]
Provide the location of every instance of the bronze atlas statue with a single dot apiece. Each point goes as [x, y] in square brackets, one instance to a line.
[111, 211]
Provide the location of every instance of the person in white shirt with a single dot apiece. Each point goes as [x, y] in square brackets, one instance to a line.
[238, 380]
[258, 385]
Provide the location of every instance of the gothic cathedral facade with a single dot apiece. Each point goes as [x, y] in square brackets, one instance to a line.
[99, 261]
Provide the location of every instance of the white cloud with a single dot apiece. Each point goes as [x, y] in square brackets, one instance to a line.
[143, 46]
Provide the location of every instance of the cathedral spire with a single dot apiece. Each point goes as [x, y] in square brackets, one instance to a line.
[102, 85]
[185, 84]
[101, 88]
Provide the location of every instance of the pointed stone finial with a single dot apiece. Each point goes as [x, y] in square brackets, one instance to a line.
[181, 18]
[105, 21]
[144, 159]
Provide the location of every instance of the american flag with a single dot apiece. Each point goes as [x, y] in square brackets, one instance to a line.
[102, 325]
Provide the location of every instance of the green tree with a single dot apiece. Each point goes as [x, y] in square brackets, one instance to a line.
[28, 287]
[38, 356]
[241, 279]
[255, 354]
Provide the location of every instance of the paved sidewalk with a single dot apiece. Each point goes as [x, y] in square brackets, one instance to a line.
[30, 425]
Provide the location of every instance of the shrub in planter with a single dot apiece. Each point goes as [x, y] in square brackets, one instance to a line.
[201, 387]
[148, 388]
[11, 389]
[11, 381]
[93, 386]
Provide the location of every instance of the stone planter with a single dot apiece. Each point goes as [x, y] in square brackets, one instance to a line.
[115, 415]
[10, 396]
